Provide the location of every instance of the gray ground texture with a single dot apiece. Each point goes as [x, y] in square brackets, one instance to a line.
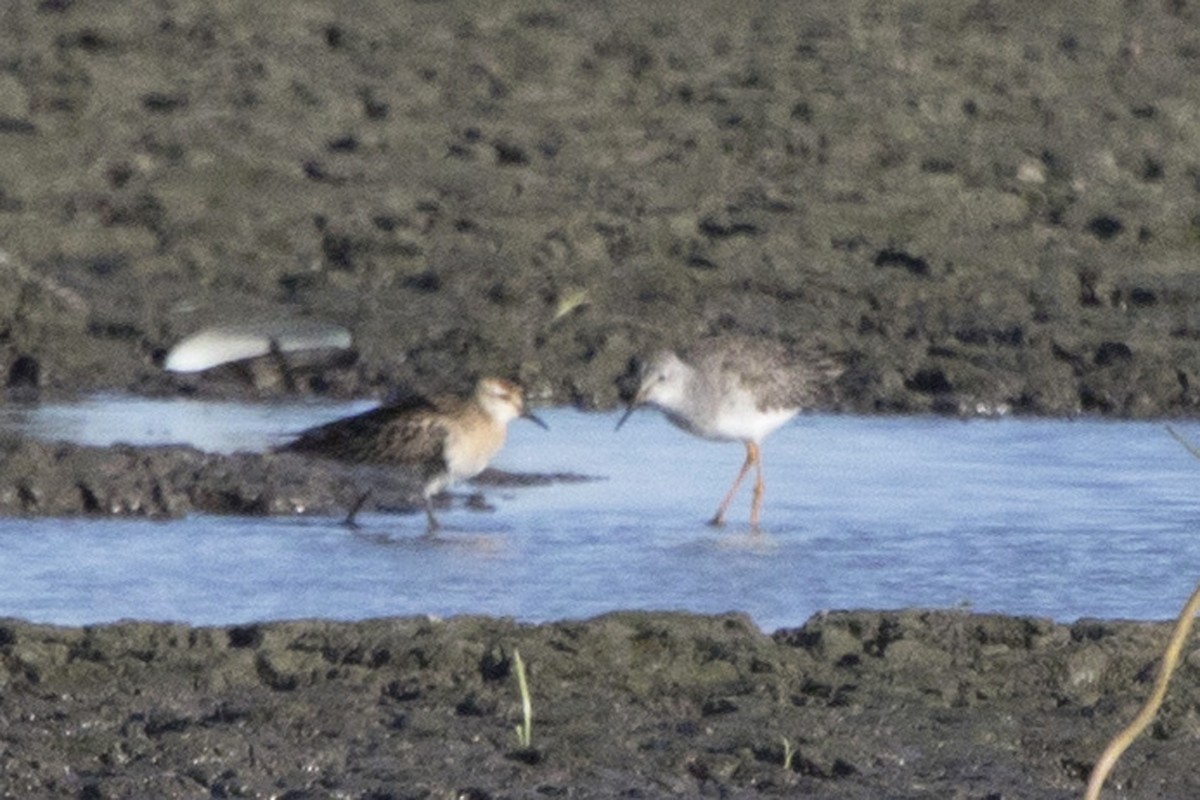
[981, 208]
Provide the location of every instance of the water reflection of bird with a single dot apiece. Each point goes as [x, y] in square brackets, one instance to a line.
[445, 438]
[734, 389]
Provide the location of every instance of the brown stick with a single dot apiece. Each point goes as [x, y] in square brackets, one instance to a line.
[1122, 740]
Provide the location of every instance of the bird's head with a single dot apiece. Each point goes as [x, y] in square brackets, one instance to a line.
[663, 383]
[504, 401]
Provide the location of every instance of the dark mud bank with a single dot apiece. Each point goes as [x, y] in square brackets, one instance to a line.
[910, 704]
[40, 478]
[49, 479]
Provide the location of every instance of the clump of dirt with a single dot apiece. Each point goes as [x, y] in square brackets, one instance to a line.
[63, 479]
[55, 479]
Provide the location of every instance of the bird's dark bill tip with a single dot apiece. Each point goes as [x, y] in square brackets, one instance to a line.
[536, 420]
[628, 410]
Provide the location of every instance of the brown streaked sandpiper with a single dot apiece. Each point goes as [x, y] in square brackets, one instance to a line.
[733, 388]
[445, 438]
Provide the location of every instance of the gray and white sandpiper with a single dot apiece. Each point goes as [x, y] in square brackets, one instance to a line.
[733, 388]
[444, 438]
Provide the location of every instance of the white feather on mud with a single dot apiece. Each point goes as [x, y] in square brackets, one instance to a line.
[224, 344]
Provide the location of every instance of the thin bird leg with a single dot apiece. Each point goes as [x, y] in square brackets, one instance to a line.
[759, 486]
[751, 458]
[433, 526]
[349, 521]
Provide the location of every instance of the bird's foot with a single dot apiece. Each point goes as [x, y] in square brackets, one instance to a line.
[351, 521]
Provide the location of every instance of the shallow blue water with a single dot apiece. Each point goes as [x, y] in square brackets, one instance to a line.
[1054, 518]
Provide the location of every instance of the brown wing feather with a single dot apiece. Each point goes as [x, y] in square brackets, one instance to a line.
[409, 434]
[782, 376]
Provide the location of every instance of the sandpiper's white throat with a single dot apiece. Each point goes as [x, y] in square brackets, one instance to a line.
[733, 389]
[445, 439]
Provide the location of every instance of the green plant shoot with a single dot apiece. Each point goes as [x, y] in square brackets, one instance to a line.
[525, 728]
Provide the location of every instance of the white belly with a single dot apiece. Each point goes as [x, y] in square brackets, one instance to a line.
[757, 425]
[730, 416]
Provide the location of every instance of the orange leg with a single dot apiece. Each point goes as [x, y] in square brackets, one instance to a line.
[759, 486]
[752, 460]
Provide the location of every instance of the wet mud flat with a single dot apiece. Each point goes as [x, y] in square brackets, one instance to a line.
[981, 208]
[864, 704]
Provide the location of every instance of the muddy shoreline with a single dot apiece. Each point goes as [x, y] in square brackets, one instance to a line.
[865, 704]
[982, 210]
